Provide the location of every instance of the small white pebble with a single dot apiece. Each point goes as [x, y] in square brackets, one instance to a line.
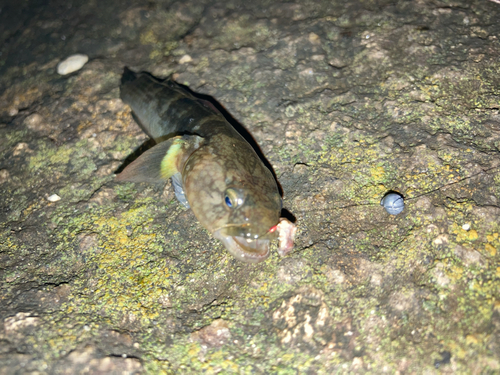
[185, 59]
[4, 175]
[72, 64]
[466, 226]
[12, 111]
[54, 198]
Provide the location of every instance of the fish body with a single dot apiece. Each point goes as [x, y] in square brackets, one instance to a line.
[214, 169]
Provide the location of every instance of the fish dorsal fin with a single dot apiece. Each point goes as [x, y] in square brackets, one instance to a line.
[161, 161]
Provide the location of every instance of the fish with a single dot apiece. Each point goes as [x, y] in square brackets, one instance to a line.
[214, 171]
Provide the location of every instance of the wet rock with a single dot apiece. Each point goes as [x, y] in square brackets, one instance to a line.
[89, 360]
[22, 148]
[4, 175]
[214, 335]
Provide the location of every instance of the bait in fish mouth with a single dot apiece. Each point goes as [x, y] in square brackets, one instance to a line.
[214, 170]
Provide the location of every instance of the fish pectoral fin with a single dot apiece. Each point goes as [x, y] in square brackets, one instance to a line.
[161, 161]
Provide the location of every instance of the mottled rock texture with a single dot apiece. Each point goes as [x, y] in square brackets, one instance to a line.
[347, 100]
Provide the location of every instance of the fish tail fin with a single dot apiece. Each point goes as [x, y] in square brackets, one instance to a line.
[139, 91]
[161, 109]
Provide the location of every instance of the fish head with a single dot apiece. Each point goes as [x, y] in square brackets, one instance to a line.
[240, 208]
[250, 224]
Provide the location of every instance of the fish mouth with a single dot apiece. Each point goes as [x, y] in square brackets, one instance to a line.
[244, 248]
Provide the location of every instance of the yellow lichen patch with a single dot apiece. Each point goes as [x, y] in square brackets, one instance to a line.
[32, 208]
[490, 249]
[492, 237]
[493, 244]
[455, 272]
[194, 349]
[457, 349]
[50, 156]
[352, 159]
[149, 37]
[131, 278]
[472, 235]
[464, 235]
[377, 173]
[473, 339]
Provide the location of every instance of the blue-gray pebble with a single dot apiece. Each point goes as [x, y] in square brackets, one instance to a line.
[393, 203]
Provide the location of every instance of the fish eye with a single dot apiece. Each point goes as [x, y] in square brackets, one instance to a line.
[233, 198]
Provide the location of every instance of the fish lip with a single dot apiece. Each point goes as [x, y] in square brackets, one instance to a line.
[235, 230]
[237, 246]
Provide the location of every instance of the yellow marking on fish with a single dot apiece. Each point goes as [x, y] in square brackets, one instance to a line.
[169, 161]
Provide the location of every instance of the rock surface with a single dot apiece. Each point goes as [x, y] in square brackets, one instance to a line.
[347, 100]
